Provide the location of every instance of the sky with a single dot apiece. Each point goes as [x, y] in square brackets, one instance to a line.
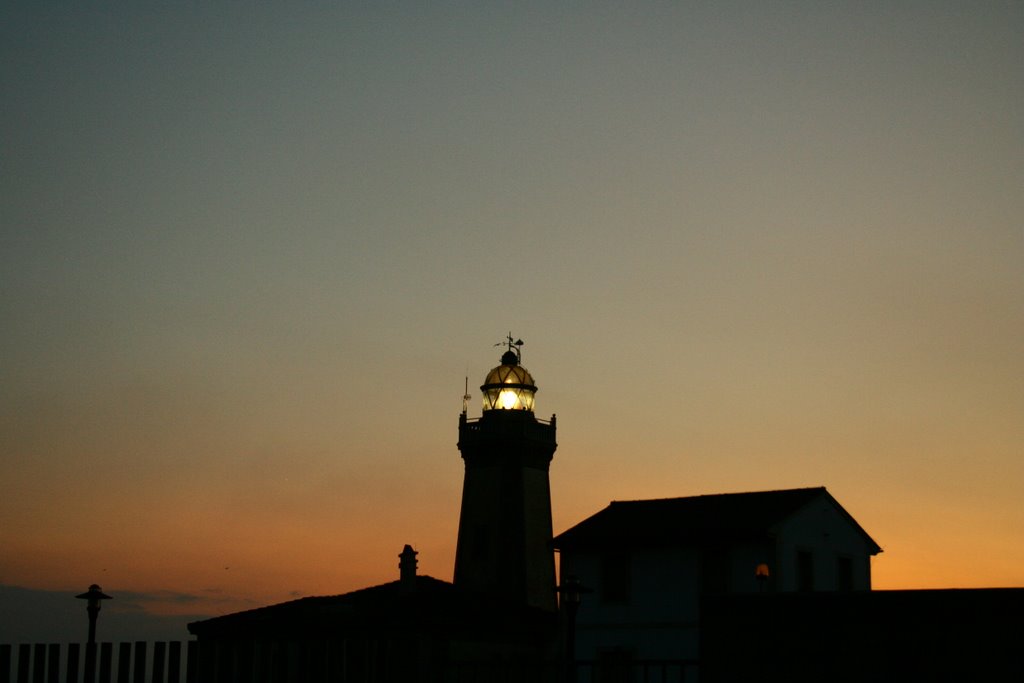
[250, 253]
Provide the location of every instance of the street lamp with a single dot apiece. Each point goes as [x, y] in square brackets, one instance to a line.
[93, 596]
[762, 573]
[572, 595]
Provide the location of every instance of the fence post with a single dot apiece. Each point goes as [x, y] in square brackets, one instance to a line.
[39, 663]
[53, 663]
[174, 661]
[140, 662]
[72, 670]
[106, 655]
[159, 651]
[124, 662]
[24, 654]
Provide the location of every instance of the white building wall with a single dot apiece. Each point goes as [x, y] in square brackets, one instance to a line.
[821, 529]
[659, 619]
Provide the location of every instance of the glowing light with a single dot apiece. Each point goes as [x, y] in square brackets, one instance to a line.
[507, 399]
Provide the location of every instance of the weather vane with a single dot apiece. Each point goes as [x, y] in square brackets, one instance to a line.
[515, 347]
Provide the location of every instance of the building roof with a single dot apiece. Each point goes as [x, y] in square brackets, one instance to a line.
[377, 603]
[428, 604]
[697, 519]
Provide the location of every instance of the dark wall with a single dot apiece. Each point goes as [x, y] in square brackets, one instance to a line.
[934, 635]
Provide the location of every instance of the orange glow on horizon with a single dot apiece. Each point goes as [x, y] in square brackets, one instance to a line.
[748, 247]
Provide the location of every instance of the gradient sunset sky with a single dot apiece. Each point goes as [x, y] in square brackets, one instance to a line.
[250, 251]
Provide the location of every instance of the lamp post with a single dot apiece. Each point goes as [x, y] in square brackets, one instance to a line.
[93, 597]
[572, 595]
[762, 573]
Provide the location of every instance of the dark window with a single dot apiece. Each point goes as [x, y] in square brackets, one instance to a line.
[844, 574]
[804, 570]
[614, 665]
[615, 577]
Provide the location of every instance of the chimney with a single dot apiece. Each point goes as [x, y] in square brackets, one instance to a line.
[407, 569]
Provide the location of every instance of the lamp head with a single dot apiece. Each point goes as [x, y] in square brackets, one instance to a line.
[93, 597]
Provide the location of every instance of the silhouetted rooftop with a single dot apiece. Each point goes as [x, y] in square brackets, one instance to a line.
[390, 606]
[666, 521]
[376, 603]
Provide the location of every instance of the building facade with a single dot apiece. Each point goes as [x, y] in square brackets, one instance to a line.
[651, 563]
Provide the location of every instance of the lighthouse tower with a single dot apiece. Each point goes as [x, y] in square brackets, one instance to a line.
[504, 546]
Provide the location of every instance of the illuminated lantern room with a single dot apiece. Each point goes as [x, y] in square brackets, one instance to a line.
[509, 386]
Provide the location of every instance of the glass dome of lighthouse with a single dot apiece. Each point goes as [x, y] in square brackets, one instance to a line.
[509, 386]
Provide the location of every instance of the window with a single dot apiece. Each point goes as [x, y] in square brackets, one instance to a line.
[615, 577]
[614, 665]
[804, 570]
[844, 574]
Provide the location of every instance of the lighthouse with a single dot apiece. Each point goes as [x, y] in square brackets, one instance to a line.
[504, 545]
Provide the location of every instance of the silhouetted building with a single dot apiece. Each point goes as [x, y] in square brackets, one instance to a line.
[651, 562]
[499, 614]
[416, 628]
